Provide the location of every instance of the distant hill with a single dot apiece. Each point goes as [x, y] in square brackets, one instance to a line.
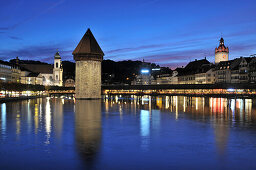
[120, 72]
[123, 72]
[69, 69]
[13, 61]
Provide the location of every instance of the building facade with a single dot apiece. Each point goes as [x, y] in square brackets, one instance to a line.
[223, 72]
[5, 71]
[192, 71]
[9, 72]
[33, 78]
[252, 70]
[51, 75]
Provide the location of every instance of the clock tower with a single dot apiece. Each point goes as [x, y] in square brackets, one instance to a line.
[221, 53]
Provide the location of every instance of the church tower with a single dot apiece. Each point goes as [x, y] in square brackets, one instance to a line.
[57, 70]
[221, 53]
[88, 56]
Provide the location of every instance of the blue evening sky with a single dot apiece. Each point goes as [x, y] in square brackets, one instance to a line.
[167, 32]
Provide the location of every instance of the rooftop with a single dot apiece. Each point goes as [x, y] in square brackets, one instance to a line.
[39, 68]
[88, 45]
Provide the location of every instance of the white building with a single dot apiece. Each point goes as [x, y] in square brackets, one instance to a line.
[51, 75]
[57, 71]
[144, 78]
[164, 79]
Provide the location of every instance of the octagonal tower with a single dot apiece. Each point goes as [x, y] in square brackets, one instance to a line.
[88, 56]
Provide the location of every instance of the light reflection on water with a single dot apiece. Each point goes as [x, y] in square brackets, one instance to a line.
[145, 131]
[88, 127]
[47, 120]
[3, 118]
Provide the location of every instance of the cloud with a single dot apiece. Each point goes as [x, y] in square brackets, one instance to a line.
[182, 50]
[15, 38]
[173, 66]
[5, 28]
[132, 49]
[242, 47]
[42, 53]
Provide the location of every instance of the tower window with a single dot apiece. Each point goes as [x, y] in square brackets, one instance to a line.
[57, 65]
[57, 77]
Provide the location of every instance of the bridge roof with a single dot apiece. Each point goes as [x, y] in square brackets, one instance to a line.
[178, 86]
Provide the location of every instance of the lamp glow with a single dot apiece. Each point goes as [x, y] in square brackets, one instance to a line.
[144, 71]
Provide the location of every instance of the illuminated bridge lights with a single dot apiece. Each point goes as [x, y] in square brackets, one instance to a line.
[185, 91]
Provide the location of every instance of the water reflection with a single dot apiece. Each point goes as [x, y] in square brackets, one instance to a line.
[3, 118]
[141, 130]
[144, 123]
[48, 117]
[36, 118]
[221, 131]
[88, 127]
[57, 113]
[236, 109]
[222, 113]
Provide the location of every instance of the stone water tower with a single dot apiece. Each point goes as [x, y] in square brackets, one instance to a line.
[88, 56]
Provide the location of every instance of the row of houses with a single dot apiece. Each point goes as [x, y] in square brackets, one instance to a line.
[239, 70]
[32, 73]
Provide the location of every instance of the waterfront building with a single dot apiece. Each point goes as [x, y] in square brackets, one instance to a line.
[188, 74]
[5, 71]
[52, 75]
[16, 73]
[252, 70]
[223, 72]
[233, 71]
[164, 79]
[33, 78]
[9, 72]
[45, 70]
[29, 77]
[221, 52]
[88, 56]
[240, 70]
[152, 74]
[145, 77]
[205, 75]
[175, 74]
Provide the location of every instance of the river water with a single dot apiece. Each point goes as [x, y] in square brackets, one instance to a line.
[128, 132]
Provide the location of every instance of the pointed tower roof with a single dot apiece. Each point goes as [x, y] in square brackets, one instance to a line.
[57, 55]
[88, 46]
[222, 47]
